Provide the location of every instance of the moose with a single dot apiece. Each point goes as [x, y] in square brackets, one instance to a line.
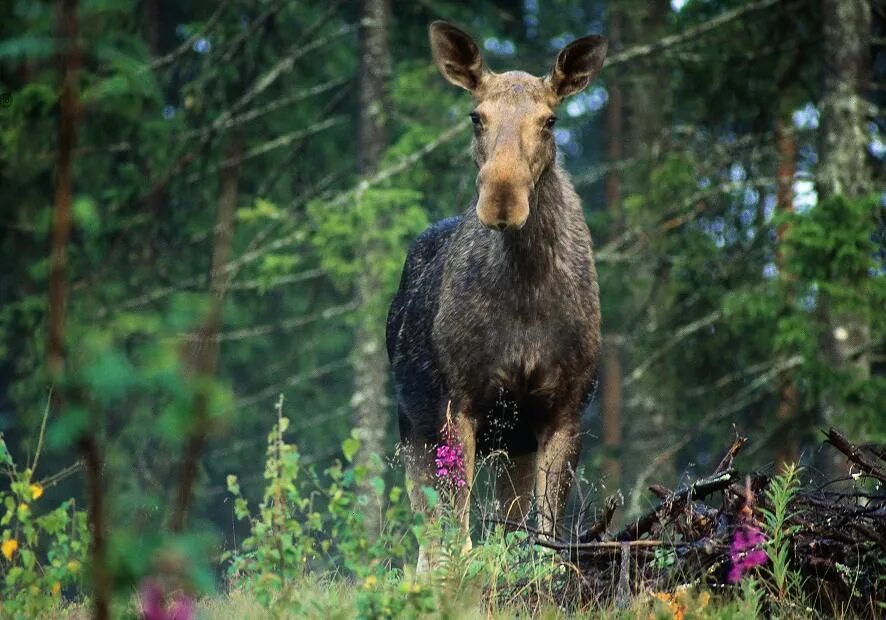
[496, 324]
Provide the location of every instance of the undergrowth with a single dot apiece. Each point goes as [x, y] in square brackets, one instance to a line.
[310, 553]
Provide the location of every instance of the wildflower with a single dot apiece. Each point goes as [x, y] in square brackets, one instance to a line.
[152, 601]
[671, 603]
[36, 491]
[56, 588]
[450, 459]
[745, 551]
[9, 547]
[73, 566]
[370, 582]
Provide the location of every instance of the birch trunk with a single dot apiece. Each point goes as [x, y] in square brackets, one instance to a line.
[370, 401]
[843, 168]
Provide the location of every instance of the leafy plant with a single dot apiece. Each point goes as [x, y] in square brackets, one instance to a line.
[777, 518]
[310, 521]
[42, 547]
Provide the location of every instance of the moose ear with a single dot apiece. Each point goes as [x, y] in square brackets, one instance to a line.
[456, 55]
[577, 65]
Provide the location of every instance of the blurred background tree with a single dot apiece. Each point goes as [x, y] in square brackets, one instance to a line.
[247, 175]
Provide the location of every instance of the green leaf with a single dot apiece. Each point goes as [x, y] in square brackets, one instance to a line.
[86, 215]
[349, 447]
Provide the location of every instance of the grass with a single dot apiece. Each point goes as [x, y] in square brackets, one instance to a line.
[336, 600]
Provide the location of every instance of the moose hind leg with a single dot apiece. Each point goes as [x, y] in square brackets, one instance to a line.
[559, 448]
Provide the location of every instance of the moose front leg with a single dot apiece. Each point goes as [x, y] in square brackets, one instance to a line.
[422, 471]
[419, 461]
[466, 434]
[558, 451]
[514, 486]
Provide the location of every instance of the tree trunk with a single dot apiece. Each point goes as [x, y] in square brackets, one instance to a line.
[203, 356]
[370, 401]
[69, 61]
[611, 399]
[788, 449]
[843, 169]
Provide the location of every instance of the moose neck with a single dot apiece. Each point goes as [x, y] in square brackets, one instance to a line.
[534, 249]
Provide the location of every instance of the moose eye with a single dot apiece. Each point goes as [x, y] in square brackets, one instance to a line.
[475, 118]
[550, 122]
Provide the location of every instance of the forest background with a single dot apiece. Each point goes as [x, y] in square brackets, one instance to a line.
[206, 205]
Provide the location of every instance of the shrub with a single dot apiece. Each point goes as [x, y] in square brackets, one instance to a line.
[42, 548]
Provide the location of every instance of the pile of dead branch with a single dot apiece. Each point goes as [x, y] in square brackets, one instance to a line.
[834, 534]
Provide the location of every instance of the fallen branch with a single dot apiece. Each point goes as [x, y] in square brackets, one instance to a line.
[854, 454]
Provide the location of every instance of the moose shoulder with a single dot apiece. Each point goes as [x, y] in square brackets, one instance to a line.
[497, 316]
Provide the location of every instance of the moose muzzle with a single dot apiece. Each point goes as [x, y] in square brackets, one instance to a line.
[503, 203]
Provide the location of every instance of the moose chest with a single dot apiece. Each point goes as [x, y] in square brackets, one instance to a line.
[532, 341]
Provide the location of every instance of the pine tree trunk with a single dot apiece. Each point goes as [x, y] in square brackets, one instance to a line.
[611, 399]
[203, 355]
[370, 401]
[843, 169]
[69, 61]
[788, 449]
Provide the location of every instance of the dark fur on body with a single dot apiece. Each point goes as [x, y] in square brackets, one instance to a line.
[499, 323]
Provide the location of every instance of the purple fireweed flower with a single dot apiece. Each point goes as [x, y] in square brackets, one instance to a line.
[153, 604]
[450, 459]
[745, 551]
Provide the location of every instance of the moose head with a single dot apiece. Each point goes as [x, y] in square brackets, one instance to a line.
[513, 117]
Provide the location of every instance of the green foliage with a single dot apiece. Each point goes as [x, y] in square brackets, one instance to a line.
[311, 522]
[44, 547]
[832, 254]
[778, 516]
[316, 253]
[364, 239]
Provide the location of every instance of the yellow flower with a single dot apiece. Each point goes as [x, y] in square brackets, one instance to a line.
[56, 588]
[9, 547]
[36, 491]
[370, 582]
[703, 599]
[73, 566]
[671, 603]
[23, 509]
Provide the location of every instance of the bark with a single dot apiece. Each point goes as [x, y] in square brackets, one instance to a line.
[370, 400]
[375, 71]
[205, 352]
[843, 168]
[153, 20]
[69, 61]
[647, 98]
[845, 47]
[611, 399]
[611, 405]
[788, 449]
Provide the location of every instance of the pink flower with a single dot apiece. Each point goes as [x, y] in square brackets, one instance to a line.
[153, 604]
[450, 460]
[745, 551]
